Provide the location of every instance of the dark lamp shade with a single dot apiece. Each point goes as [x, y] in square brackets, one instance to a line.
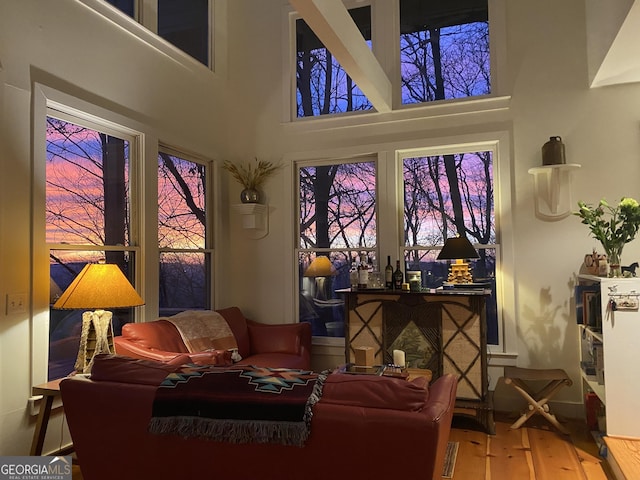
[320, 267]
[99, 286]
[457, 248]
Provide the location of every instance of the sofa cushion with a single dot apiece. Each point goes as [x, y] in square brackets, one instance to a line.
[238, 325]
[117, 368]
[159, 335]
[374, 392]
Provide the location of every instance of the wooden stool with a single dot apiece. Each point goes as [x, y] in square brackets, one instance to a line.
[538, 401]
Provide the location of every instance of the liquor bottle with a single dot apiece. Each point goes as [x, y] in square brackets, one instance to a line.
[398, 278]
[353, 275]
[388, 274]
[363, 275]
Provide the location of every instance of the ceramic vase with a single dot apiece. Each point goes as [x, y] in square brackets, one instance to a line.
[250, 195]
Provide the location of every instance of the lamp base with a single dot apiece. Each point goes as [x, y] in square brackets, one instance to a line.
[96, 337]
[460, 273]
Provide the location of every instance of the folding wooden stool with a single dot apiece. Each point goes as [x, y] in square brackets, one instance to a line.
[538, 401]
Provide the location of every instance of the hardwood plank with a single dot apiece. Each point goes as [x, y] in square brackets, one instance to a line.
[507, 454]
[473, 449]
[626, 455]
[554, 457]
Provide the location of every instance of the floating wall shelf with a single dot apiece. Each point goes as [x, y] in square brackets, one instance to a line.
[255, 218]
[552, 185]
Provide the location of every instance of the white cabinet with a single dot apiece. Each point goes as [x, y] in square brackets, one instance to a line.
[620, 337]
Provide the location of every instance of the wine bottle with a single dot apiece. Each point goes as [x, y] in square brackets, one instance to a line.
[363, 273]
[388, 274]
[398, 277]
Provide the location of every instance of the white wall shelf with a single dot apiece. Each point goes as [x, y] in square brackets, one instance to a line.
[552, 189]
[255, 218]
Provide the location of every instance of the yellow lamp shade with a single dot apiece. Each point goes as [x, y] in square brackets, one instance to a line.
[99, 286]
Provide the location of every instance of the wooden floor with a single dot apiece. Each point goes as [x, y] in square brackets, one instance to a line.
[534, 452]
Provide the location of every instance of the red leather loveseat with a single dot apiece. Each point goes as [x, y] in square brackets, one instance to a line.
[363, 427]
[266, 345]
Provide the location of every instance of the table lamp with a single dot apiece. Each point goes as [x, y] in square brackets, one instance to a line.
[320, 269]
[97, 286]
[458, 249]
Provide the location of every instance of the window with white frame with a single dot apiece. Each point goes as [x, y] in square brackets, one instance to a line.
[443, 191]
[443, 54]
[322, 85]
[444, 50]
[88, 207]
[183, 236]
[92, 209]
[186, 25]
[445, 195]
[337, 220]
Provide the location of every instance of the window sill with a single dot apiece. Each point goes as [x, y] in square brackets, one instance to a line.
[328, 341]
[433, 110]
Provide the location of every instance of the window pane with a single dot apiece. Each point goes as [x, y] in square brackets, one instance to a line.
[323, 87]
[184, 281]
[445, 195]
[338, 223]
[338, 206]
[186, 26]
[126, 6]
[65, 325]
[87, 186]
[444, 50]
[319, 304]
[448, 194]
[181, 203]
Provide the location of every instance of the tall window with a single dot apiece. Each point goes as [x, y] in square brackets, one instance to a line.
[444, 50]
[337, 220]
[444, 196]
[185, 259]
[322, 86]
[88, 218]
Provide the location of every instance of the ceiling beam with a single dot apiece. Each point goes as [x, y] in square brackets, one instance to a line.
[330, 21]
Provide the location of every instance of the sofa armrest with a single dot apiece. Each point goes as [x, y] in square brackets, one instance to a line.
[292, 338]
[128, 348]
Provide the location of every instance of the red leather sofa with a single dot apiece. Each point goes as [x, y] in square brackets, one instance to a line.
[278, 345]
[363, 427]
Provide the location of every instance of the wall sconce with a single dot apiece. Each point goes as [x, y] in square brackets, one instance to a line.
[97, 286]
[255, 218]
[458, 249]
[552, 182]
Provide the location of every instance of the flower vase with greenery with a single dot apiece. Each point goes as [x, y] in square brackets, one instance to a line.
[612, 226]
[251, 176]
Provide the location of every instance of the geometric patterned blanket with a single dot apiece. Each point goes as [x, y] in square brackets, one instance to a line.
[237, 404]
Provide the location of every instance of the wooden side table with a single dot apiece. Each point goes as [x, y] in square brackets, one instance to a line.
[49, 391]
[419, 372]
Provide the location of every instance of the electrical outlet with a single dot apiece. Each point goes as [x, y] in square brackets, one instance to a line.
[16, 303]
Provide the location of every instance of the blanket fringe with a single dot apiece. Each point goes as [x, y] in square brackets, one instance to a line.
[232, 431]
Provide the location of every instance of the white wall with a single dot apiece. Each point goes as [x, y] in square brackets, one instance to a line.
[69, 48]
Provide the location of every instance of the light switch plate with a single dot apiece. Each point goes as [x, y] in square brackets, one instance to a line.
[16, 303]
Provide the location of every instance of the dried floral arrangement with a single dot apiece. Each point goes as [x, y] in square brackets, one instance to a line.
[252, 175]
